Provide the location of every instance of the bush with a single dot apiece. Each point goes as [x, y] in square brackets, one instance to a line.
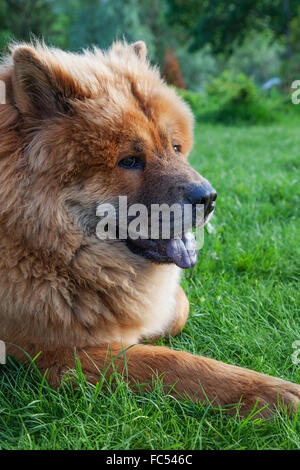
[198, 102]
[231, 99]
[236, 98]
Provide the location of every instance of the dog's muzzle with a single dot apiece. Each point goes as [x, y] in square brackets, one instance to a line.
[202, 194]
[182, 250]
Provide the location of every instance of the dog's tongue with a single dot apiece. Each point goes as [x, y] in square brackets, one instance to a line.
[182, 251]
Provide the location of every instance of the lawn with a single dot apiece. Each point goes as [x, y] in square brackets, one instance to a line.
[245, 309]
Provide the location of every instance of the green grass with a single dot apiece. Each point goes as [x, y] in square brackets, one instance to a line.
[245, 310]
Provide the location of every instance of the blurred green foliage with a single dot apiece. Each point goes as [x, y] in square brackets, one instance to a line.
[220, 23]
[20, 19]
[235, 99]
[223, 47]
[259, 55]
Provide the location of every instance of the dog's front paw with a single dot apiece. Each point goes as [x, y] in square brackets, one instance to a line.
[270, 394]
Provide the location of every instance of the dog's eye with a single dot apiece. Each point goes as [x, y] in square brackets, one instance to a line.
[177, 148]
[132, 163]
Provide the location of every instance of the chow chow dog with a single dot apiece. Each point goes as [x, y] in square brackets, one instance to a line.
[78, 130]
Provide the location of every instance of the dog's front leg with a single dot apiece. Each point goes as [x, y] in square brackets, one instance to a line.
[183, 374]
[181, 313]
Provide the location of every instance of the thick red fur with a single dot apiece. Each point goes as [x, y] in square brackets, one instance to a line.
[68, 121]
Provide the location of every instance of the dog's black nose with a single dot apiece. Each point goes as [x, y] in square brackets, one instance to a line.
[202, 194]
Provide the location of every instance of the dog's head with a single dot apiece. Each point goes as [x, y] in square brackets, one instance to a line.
[99, 125]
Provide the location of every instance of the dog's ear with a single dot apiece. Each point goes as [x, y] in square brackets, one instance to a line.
[37, 91]
[140, 49]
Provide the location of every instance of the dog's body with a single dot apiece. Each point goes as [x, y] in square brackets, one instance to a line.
[68, 132]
